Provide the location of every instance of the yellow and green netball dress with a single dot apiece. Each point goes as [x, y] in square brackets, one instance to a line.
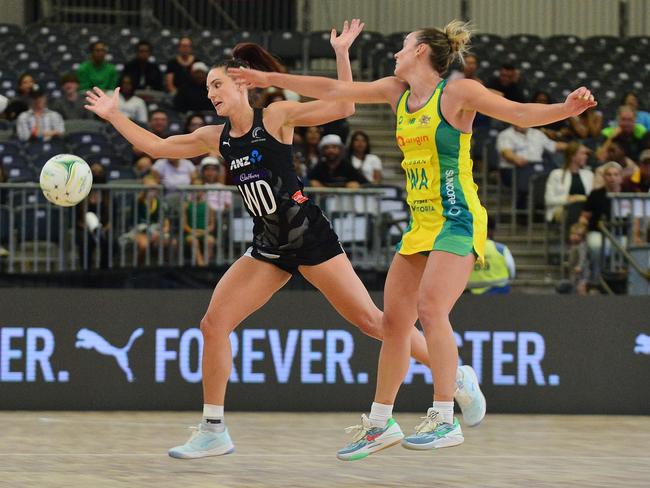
[446, 213]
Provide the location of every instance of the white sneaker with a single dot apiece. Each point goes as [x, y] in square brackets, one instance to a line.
[469, 397]
[204, 442]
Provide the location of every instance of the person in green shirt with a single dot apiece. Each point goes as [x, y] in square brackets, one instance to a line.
[96, 71]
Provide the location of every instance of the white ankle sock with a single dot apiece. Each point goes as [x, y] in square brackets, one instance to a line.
[446, 411]
[213, 415]
[380, 413]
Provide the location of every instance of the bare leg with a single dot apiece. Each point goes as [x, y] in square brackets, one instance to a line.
[235, 297]
[444, 280]
[400, 313]
[342, 287]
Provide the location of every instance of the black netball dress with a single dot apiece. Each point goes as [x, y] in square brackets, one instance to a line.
[289, 230]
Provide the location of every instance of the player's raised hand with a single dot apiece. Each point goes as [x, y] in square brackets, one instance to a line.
[250, 78]
[350, 32]
[579, 100]
[101, 104]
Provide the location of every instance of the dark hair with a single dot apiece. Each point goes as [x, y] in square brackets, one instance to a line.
[3, 176]
[92, 45]
[627, 94]
[157, 111]
[189, 118]
[353, 137]
[68, 77]
[37, 93]
[143, 43]
[270, 96]
[508, 66]
[446, 44]
[186, 37]
[542, 92]
[251, 55]
[22, 77]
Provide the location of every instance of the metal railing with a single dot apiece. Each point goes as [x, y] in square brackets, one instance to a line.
[130, 225]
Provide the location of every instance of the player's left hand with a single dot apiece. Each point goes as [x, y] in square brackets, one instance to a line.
[579, 100]
[349, 33]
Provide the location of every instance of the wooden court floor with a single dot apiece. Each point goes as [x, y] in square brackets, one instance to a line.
[128, 449]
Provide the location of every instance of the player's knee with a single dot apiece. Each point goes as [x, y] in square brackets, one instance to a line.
[432, 311]
[370, 324]
[213, 329]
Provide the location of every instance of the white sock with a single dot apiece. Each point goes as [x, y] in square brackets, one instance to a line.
[213, 415]
[446, 411]
[380, 413]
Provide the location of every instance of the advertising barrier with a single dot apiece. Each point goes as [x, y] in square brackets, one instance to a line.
[141, 349]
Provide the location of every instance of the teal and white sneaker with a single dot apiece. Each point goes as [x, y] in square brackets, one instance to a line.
[204, 442]
[433, 433]
[469, 397]
[368, 440]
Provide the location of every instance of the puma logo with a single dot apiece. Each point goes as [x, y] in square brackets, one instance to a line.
[642, 344]
[226, 143]
[88, 339]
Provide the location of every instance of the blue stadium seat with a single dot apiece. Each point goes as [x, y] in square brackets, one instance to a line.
[288, 46]
[35, 222]
[79, 138]
[34, 149]
[116, 173]
[15, 160]
[319, 46]
[21, 174]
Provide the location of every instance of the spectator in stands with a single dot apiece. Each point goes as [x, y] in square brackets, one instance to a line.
[631, 99]
[199, 226]
[571, 183]
[159, 125]
[273, 96]
[498, 271]
[192, 122]
[300, 164]
[470, 66]
[96, 71]
[598, 208]
[627, 133]
[93, 223]
[639, 181]
[178, 68]
[339, 127]
[22, 101]
[614, 152]
[311, 152]
[523, 148]
[172, 173]
[362, 159]
[334, 170]
[587, 125]
[193, 95]
[71, 104]
[145, 74]
[578, 259]
[212, 173]
[507, 84]
[39, 122]
[557, 131]
[131, 105]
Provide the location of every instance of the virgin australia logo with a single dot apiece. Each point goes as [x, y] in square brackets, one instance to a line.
[88, 339]
[642, 344]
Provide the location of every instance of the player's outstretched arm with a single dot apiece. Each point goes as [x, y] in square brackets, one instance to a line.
[181, 146]
[475, 97]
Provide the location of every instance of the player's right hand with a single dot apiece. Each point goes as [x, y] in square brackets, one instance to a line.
[101, 104]
[250, 78]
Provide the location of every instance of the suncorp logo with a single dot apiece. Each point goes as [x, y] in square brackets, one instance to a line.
[403, 141]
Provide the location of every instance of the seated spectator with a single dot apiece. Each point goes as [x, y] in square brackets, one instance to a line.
[523, 148]
[578, 259]
[272, 97]
[212, 173]
[147, 231]
[470, 66]
[93, 223]
[571, 183]
[172, 173]
[627, 133]
[598, 208]
[144, 74]
[587, 125]
[193, 122]
[362, 159]
[39, 122]
[178, 68]
[334, 170]
[96, 71]
[631, 99]
[497, 272]
[159, 125]
[131, 105]
[339, 127]
[198, 221]
[614, 152]
[193, 95]
[71, 104]
[557, 131]
[639, 181]
[300, 164]
[507, 84]
[311, 152]
[22, 101]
